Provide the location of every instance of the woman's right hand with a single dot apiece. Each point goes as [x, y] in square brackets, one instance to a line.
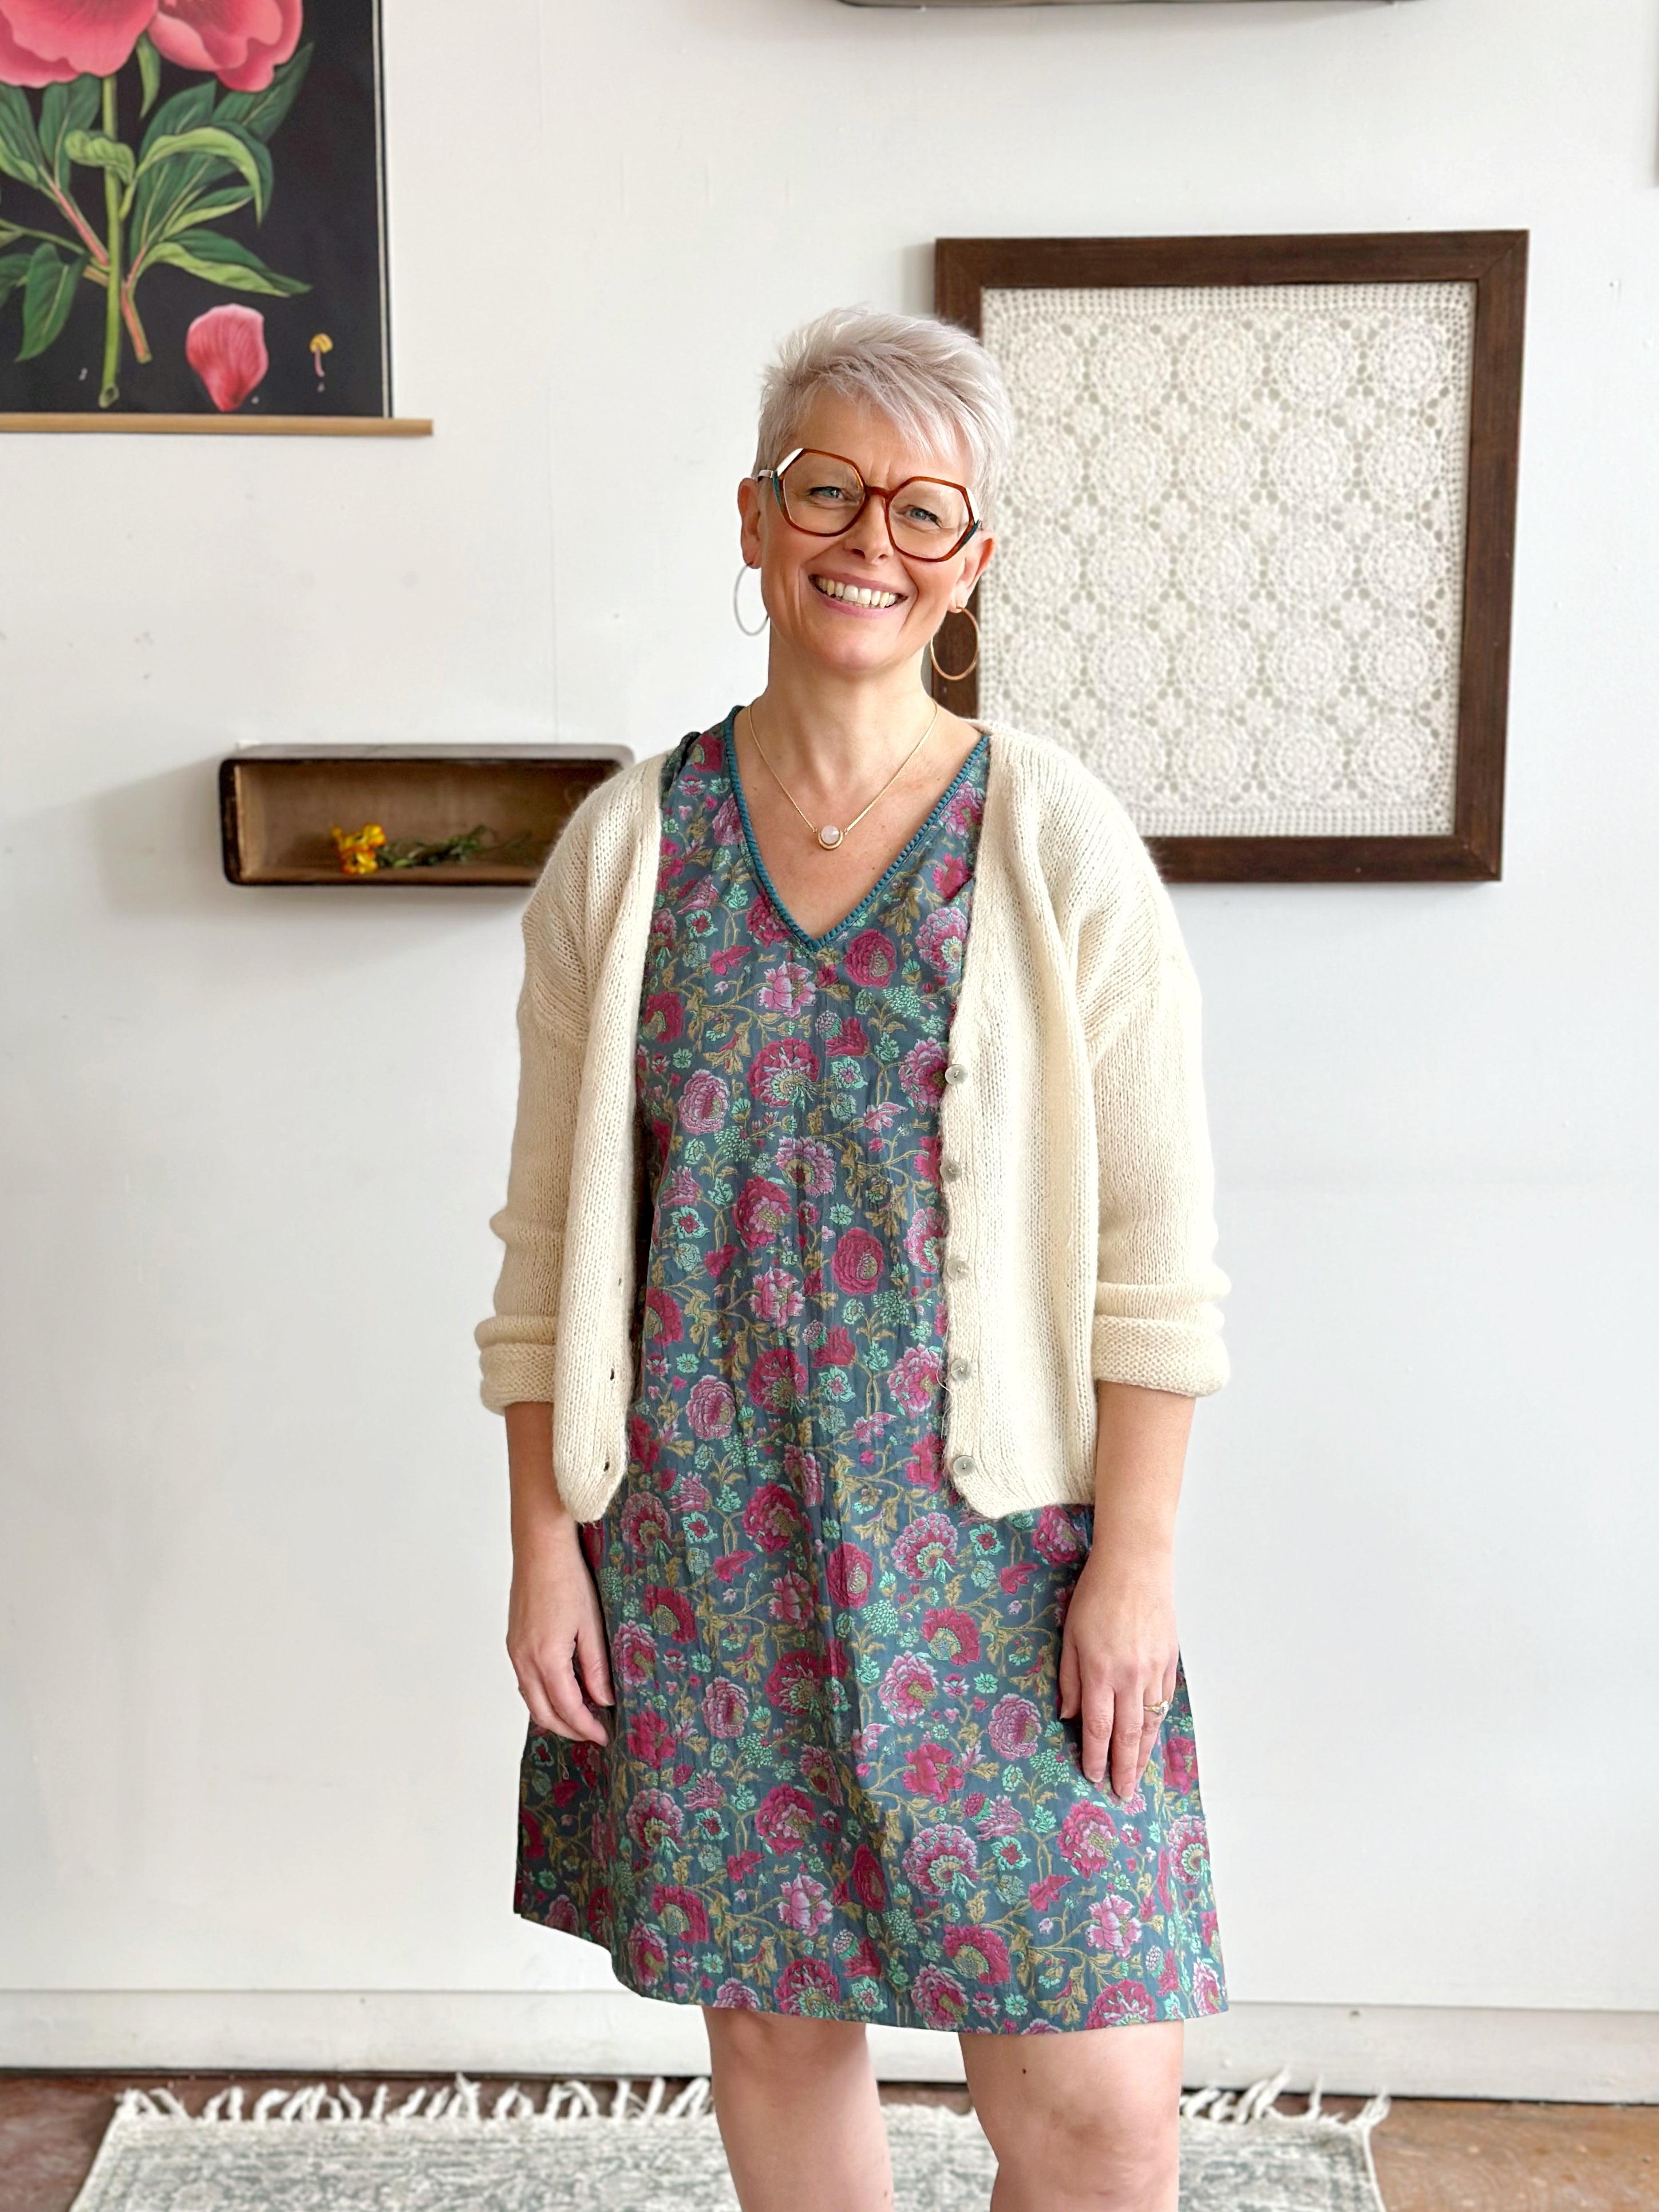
[555, 1629]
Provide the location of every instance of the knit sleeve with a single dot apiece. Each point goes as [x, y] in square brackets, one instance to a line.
[1156, 1320]
[516, 1341]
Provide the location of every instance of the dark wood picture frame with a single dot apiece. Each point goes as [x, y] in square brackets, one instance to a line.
[1495, 264]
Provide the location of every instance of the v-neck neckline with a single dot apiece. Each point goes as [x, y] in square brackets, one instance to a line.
[729, 749]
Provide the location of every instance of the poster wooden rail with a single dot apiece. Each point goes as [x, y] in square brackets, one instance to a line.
[230, 426]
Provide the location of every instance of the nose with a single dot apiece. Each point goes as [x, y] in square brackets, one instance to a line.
[869, 534]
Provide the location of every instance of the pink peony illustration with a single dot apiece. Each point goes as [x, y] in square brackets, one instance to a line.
[1055, 1537]
[710, 1407]
[653, 1819]
[702, 1103]
[952, 1633]
[50, 41]
[648, 1955]
[683, 1914]
[908, 1684]
[850, 1572]
[803, 1903]
[732, 1997]
[942, 1861]
[928, 1543]
[808, 1987]
[914, 1377]
[1017, 1728]
[778, 1295]
[869, 1884]
[241, 42]
[1113, 1924]
[762, 1209]
[1180, 1764]
[939, 1998]
[931, 1771]
[1085, 1838]
[979, 1953]
[1127, 2001]
[856, 1262]
[922, 1073]
[777, 1381]
[872, 959]
[808, 1162]
[782, 1071]
[726, 1707]
[941, 939]
[633, 1654]
[772, 1517]
[226, 349]
[783, 1821]
[669, 1611]
[786, 989]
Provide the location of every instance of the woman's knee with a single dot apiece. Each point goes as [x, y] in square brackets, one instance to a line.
[782, 2043]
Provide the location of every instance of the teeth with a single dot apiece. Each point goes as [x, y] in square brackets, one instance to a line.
[855, 595]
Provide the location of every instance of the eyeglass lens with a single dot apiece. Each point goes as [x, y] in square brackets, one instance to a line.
[823, 494]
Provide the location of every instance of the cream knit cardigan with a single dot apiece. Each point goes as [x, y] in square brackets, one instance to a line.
[1075, 1155]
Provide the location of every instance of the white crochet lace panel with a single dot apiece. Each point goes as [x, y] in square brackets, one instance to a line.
[1230, 558]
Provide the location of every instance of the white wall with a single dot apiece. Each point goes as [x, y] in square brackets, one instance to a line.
[256, 1728]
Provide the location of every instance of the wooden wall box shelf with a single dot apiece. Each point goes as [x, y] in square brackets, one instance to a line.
[278, 803]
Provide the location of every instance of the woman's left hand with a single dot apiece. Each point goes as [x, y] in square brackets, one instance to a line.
[1118, 1659]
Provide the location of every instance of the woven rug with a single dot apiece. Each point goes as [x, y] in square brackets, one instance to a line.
[619, 2150]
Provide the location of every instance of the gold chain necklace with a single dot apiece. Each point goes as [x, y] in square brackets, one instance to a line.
[827, 833]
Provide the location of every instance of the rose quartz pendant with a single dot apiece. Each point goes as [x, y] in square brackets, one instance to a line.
[829, 837]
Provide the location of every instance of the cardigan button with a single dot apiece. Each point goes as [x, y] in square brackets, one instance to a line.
[956, 1267]
[951, 1171]
[961, 1369]
[962, 1464]
[956, 1072]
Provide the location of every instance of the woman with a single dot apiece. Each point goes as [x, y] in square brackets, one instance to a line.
[857, 1287]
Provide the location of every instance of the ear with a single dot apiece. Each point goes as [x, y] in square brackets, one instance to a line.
[974, 556]
[750, 496]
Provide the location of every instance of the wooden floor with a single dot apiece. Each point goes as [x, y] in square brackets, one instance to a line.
[1431, 2156]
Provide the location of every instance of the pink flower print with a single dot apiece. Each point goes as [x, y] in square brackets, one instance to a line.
[772, 1517]
[1000, 1818]
[939, 1998]
[778, 1380]
[965, 809]
[942, 1861]
[807, 1987]
[1205, 1987]
[762, 923]
[645, 1522]
[669, 1612]
[762, 1209]
[820, 1771]
[931, 1771]
[803, 1903]
[856, 1262]
[731, 1564]
[241, 42]
[863, 1962]
[922, 1073]
[663, 1016]
[717, 1262]
[782, 1072]
[732, 1997]
[925, 1239]
[726, 1707]
[926, 1545]
[838, 1350]
[1042, 1893]
[707, 1793]
[1180, 1765]
[703, 1101]
[914, 1377]
[1055, 1537]
[979, 1953]
[850, 1572]
[1085, 1838]
[868, 1882]
[654, 1819]
[850, 1042]
[662, 1319]
[778, 1295]
[727, 824]
[803, 1470]
[1187, 1845]
[941, 938]
[680, 1188]
[808, 1164]
[50, 41]
[872, 960]
[1113, 1925]
[1125, 2001]
[1014, 1579]
[740, 1865]
[783, 1820]
[908, 1684]
[682, 1912]
[599, 1910]
[949, 875]
[925, 1466]
[710, 1407]
[1017, 1728]
[633, 1654]
[951, 1633]
[794, 1682]
[790, 1601]
[688, 1492]
[648, 1955]
[786, 989]
[226, 349]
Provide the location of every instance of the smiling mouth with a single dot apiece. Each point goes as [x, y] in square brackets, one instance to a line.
[854, 595]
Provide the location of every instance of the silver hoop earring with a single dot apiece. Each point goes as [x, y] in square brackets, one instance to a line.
[737, 611]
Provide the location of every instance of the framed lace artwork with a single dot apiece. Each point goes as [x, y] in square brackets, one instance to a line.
[1254, 553]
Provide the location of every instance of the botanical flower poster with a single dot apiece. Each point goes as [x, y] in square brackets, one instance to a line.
[191, 209]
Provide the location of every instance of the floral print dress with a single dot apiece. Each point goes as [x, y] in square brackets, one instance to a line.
[836, 1783]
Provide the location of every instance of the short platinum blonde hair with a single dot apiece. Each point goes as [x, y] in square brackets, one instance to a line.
[932, 380]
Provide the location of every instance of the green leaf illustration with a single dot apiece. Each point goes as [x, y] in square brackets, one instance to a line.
[208, 208]
[66, 110]
[22, 155]
[13, 267]
[48, 293]
[149, 73]
[215, 143]
[259, 112]
[184, 112]
[92, 151]
[221, 260]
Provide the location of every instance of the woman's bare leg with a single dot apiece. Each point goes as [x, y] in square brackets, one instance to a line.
[798, 2112]
[1085, 2121]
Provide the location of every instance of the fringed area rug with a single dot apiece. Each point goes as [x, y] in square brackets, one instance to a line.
[321, 2150]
